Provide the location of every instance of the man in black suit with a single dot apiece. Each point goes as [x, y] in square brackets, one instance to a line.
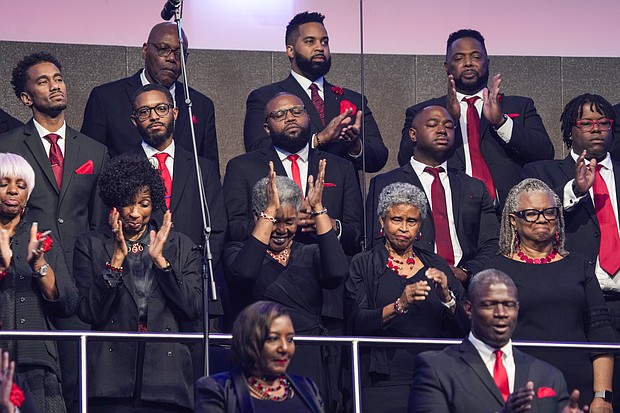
[471, 219]
[485, 373]
[508, 129]
[67, 165]
[108, 110]
[614, 150]
[8, 122]
[307, 47]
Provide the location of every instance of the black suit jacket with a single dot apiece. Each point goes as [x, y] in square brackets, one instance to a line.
[255, 138]
[614, 150]
[456, 380]
[74, 209]
[8, 122]
[581, 224]
[476, 223]
[106, 118]
[529, 142]
[343, 199]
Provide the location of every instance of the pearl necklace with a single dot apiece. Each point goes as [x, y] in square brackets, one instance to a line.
[281, 257]
[265, 393]
[543, 260]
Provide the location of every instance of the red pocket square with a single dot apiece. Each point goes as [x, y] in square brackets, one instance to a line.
[86, 168]
[345, 104]
[327, 184]
[513, 115]
[545, 392]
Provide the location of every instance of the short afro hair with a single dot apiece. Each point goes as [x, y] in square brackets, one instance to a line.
[474, 34]
[292, 29]
[20, 72]
[122, 179]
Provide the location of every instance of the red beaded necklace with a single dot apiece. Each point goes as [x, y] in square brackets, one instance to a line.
[543, 260]
[397, 265]
[281, 257]
[265, 393]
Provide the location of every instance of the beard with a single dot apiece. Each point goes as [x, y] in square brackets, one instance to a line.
[312, 70]
[471, 87]
[156, 138]
[290, 143]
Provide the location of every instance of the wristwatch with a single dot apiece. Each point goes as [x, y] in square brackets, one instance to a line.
[42, 272]
[606, 395]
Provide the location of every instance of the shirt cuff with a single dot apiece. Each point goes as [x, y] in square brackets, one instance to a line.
[339, 229]
[505, 131]
[359, 154]
[569, 199]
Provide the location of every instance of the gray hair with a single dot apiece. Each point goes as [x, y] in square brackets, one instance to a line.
[401, 193]
[485, 278]
[14, 165]
[288, 192]
[507, 233]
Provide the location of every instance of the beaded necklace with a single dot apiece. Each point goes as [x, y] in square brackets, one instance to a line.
[397, 265]
[281, 257]
[265, 393]
[543, 260]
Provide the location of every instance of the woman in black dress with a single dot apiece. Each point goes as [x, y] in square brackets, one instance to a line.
[398, 290]
[559, 295]
[270, 265]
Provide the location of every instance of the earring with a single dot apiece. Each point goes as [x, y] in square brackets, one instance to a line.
[517, 242]
[557, 238]
[381, 232]
[418, 237]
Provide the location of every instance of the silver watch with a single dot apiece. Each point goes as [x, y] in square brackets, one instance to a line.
[42, 271]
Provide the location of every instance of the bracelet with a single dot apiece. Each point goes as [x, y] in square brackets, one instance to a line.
[452, 301]
[115, 269]
[321, 212]
[267, 217]
[398, 308]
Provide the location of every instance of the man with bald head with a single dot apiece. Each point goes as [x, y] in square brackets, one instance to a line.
[108, 110]
[462, 226]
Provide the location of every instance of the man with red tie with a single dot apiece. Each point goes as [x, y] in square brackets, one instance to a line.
[307, 47]
[496, 134]
[485, 373]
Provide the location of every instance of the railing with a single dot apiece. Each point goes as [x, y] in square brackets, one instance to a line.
[354, 342]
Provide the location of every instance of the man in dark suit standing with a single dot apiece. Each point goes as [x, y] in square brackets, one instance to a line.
[67, 165]
[614, 150]
[8, 122]
[485, 373]
[462, 226]
[496, 134]
[307, 47]
[108, 110]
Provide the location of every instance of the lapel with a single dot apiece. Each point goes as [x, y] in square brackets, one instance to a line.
[332, 102]
[567, 168]
[313, 165]
[522, 368]
[181, 172]
[34, 144]
[241, 390]
[455, 189]
[427, 229]
[72, 150]
[292, 86]
[616, 166]
[470, 356]
[270, 154]
[108, 246]
[181, 121]
[133, 83]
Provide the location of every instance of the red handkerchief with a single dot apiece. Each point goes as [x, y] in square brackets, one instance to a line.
[545, 392]
[345, 104]
[512, 115]
[328, 184]
[86, 169]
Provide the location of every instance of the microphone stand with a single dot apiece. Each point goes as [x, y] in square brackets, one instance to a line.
[208, 279]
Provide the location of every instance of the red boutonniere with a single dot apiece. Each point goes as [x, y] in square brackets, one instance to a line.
[47, 244]
[194, 119]
[345, 104]
[337, 90]
[17, 396]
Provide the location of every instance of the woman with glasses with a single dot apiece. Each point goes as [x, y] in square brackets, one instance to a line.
[559, 296]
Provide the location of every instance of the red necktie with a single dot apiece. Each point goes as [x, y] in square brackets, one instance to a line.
[295, 169]
[500, 376]
[479, 168]
[317, 100]
[609, 258]
[165, 175]
[56, 159]
[440, 216]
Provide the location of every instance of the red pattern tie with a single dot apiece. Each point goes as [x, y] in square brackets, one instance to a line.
[317, 100]
[609, 258]
[295, 169]
[440, 216]
[56, 159]
[479, 168]
[165, 175]
[500, 375]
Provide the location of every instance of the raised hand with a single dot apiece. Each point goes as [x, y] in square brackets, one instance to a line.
[452, 103]
[6, 383]
[573, 404]
[158, 240]
[491, 108]
[36, 254]
[315, 188]
[520, 400]
[120, 247]
[585, 173]
[333, 129]
[273, 199]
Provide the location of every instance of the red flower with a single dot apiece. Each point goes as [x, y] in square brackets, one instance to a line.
[337, 90]
[194, 119]
[47, 244]
[345, 104]
[17, 396]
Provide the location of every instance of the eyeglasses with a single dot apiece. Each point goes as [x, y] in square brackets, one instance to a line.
[532, 215]
[279, 115]
[164, 51]
[144, 112]
[586, 125]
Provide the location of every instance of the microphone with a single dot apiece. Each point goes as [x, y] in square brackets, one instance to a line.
[169, 9]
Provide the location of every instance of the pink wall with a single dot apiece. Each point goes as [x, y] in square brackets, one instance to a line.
[524, 27]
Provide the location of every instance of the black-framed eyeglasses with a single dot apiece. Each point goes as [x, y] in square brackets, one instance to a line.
[144, 112]
[164, 51]
[279, 115]
[586, 125]
[532, 215]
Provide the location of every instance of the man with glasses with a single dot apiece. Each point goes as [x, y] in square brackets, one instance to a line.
[462, 226]
[108, 110]
[588, 182]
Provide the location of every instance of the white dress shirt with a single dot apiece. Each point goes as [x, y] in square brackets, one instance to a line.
[62, 132]
[150, 154]
[488, 358]
[302, 161]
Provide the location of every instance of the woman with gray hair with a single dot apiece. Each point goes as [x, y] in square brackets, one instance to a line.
[35, 285]
[398, 290]
[272, 266]
[559, 295]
